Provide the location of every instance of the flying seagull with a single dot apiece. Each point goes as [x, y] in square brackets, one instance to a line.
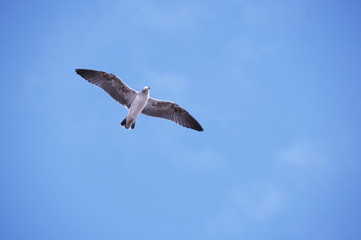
[138, 102]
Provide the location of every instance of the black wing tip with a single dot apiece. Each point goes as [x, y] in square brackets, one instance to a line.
[86, 73]
[81, 71]
[198, 128]
[193, 124]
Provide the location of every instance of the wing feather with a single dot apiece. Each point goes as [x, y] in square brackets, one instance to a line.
[111, 84]
[171, 111]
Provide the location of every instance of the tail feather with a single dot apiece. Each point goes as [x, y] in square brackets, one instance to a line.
[124, 122]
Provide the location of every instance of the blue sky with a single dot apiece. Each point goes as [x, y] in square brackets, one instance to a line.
[275, 84]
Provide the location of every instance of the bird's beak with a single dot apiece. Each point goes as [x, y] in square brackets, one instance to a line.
[148, 87]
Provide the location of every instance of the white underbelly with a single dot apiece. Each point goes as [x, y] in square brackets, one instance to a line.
[138, 105]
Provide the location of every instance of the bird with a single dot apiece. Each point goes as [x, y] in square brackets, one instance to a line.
[138, 102]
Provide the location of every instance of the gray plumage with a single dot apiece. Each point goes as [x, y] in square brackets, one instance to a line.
[138, 102]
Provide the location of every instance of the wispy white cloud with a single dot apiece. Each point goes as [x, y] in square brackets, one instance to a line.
[165, 18]
[256, 202]
[261, 13]
[204, 159]
[161, 16]
[304, 154]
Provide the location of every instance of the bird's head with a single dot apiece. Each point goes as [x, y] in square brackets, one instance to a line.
[146, 89]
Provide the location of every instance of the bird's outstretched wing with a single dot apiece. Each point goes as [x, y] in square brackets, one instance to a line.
[171, 111]
[110, 84]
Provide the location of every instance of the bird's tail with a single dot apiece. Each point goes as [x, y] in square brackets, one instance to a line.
[124, 123]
